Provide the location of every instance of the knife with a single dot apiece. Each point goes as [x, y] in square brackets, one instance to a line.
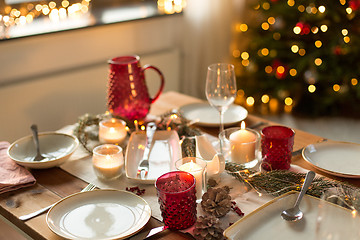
[143, 167]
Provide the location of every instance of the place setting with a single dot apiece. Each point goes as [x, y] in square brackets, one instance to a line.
[237, 184]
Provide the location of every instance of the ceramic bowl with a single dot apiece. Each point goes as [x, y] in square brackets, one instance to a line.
[56, 146]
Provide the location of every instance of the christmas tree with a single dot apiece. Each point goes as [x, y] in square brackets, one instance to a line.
[302, 56]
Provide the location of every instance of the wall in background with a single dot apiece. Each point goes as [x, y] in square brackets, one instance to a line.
[53, 79]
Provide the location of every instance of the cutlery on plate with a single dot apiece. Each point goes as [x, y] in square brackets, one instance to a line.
[89, 187]
[143, 167]
[38, 156]
[293, 214]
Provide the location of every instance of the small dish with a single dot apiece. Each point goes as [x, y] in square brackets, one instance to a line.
[205, 115]
[163, 154]
[335, 158]
[56, 146]
[267, 222]
[99, 214]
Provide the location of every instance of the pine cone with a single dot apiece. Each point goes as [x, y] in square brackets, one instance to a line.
[216, 201]
[208, 228]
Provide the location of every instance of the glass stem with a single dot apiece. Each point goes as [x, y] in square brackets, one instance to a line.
[221, 129]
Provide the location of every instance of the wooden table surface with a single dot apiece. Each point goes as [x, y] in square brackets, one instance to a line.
[54, 184]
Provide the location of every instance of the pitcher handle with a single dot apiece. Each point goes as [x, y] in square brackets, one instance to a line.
[161, 78]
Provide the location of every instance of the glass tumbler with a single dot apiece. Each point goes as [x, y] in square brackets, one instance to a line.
[177, 199]
[276, 145]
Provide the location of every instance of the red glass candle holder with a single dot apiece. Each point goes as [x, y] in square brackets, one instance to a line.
[276, 145]
[177, 199]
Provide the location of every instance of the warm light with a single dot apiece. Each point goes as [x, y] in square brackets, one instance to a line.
[314, 30]
[45, 10]
[344, 32]
[301, 8]
[302, 52]
[268, 69]
[38, 7]
[348, 10]
[288, 101]
[280, 69]
[336, 87]
[242, 125]
[293, 72]
[265, 26]
[354, 81]
[318, 61]
[142, 127]
[245, 55]
[241, 93]
[297, 30]
[265, 51]
[346, 39]
[236, 53]
[52, 4]
[342, 2]
[65, 3]
[291, 3]
[266, 6]
[265, 98]
[354, 213]
[318, 43]
[311, 88]
[245, 62]
[294, 48]
[243, 27]
[276, 36]
[324, 28]
[250, 101]
[322, 9]
[271, 20]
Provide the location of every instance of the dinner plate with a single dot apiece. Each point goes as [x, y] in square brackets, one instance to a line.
[266, 222]
[336, 158]
[208, 116]
[163, 154]
[99, 214]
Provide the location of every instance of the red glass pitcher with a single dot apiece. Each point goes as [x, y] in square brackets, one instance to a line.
[128, 95]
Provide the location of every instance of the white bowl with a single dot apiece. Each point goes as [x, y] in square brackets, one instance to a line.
[57, 146]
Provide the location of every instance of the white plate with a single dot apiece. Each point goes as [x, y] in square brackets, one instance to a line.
[208, 116]
[57, 147]
[266, 222]
[336, 158]
[99, 214]
[164, 152]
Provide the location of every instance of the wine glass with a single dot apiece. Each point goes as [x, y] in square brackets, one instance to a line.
[338, 216]
[221, 88]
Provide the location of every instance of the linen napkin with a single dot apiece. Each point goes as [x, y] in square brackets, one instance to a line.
[12, 175]
[214, 160]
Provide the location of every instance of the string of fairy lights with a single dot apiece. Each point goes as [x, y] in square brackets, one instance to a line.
[56, 11]
[279, 69]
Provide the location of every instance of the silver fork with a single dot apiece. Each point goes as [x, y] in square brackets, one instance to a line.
[143, 167]
[89, 187]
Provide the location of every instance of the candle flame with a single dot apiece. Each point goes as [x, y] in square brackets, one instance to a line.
[354, 213]
[142, 127]
[113, 120]
[191, 165]
[108, 157]
[112, 130]
[242, 125]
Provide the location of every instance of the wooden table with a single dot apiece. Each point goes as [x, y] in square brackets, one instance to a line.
[54, 184]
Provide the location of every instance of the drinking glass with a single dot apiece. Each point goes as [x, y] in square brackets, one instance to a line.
[221, 88]
[338, 216]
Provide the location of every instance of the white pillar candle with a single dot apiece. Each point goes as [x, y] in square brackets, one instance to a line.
[112, 131]
[242, 145]
[108, 161]
[197, 170]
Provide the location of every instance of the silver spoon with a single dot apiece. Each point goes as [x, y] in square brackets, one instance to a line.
[293, 214]
[38, 156]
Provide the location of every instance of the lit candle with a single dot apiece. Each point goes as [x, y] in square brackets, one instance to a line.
[242, 144]
[112, 131]
[108, 161]
[196, 169]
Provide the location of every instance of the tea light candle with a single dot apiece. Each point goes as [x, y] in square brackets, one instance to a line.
[196, 169]
[112, 131]
[108, 161]
[242, 143]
